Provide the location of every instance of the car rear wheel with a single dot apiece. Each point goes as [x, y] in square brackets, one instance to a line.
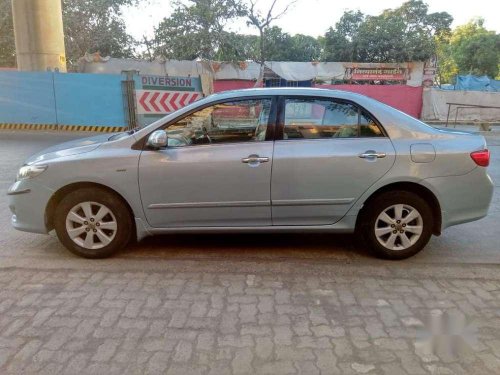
[397, 224]
[93, 223]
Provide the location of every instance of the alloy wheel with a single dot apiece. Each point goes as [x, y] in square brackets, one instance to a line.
[91, 225]
[398, 227]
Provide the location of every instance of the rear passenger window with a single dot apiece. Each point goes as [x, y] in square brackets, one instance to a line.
[368, 127]
[322, 118]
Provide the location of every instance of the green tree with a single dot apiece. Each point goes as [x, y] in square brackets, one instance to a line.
[197, 29]
[281, 46]
[96, 26]
[262, 22]
[447, 68]
[7, 44]
[339, 44]
[304, 48]
[475, 50]
[406, 33]
[238, 47]
[381, 39]
[278, 45]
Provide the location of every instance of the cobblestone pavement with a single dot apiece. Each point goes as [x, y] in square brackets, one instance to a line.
[245, 304]
[78, 322]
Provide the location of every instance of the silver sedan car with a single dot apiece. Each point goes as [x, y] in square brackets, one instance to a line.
[259, 160]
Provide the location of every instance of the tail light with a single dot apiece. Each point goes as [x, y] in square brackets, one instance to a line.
[481, 158]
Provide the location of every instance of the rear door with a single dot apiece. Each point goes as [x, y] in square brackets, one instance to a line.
[327, 154]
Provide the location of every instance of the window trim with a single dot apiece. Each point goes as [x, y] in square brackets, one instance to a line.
[280, 124]
[270, 131]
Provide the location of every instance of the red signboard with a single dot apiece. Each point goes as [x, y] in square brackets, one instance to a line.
[376, 74]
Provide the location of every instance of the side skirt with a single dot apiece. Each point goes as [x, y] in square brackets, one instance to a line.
[346, 225]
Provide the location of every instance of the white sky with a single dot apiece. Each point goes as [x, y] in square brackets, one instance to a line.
[314, 17]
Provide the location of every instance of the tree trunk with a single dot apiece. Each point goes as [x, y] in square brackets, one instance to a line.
[260, 80]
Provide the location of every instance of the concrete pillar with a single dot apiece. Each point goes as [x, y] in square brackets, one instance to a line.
[38, 29]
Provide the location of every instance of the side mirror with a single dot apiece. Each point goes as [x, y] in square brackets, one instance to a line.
[157, 139]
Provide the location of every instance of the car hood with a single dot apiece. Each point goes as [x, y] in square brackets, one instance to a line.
[77, 146]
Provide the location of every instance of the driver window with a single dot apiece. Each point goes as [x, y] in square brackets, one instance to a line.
[229, 122]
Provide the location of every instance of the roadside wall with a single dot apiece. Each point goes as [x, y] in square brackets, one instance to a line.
[27, 98]
[232, 84]
[95, 101]
[61, 99]
[405, 98]
[89, 99]
[436, 109]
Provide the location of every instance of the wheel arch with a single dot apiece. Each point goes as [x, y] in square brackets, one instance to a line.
[65, 190]
[411, 187]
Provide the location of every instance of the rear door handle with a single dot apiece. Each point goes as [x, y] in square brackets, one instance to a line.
[255, 159]
[372, 155]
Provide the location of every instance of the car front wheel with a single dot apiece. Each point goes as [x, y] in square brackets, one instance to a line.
[398, 224]
[93, 223]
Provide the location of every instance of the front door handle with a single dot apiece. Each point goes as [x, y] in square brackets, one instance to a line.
[255, 159]
[372, 155]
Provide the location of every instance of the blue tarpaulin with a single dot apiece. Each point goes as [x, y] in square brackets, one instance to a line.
[476, 83]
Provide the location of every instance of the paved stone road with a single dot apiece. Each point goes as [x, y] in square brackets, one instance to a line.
[245, 304]
[230, 323]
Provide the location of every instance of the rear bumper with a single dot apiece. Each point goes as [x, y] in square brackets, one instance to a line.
[27, 202]
[462, 198]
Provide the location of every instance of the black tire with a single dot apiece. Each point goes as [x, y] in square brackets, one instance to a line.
[123, 219]
[379, 205]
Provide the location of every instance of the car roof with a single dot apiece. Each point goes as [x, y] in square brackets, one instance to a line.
[281, 91]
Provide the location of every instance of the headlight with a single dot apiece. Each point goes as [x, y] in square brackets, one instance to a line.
[30, 171]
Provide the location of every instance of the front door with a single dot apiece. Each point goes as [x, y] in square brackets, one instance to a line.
[216, 170]
[330, 152]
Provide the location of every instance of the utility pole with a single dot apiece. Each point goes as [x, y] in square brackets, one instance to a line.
[38, 30]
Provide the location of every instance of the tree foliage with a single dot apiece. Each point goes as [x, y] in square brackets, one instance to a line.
[447, 68]
[402, 34]
[280, 46]
[238, 47]
[262, 22]
[304, 48]
[96, 26]
[340, 44]
[197, 29]
[475, 50]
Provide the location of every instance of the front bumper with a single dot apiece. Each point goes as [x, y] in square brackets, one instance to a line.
[463, 198]
[27, 202]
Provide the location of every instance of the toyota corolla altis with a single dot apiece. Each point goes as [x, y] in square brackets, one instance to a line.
[259, 160]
